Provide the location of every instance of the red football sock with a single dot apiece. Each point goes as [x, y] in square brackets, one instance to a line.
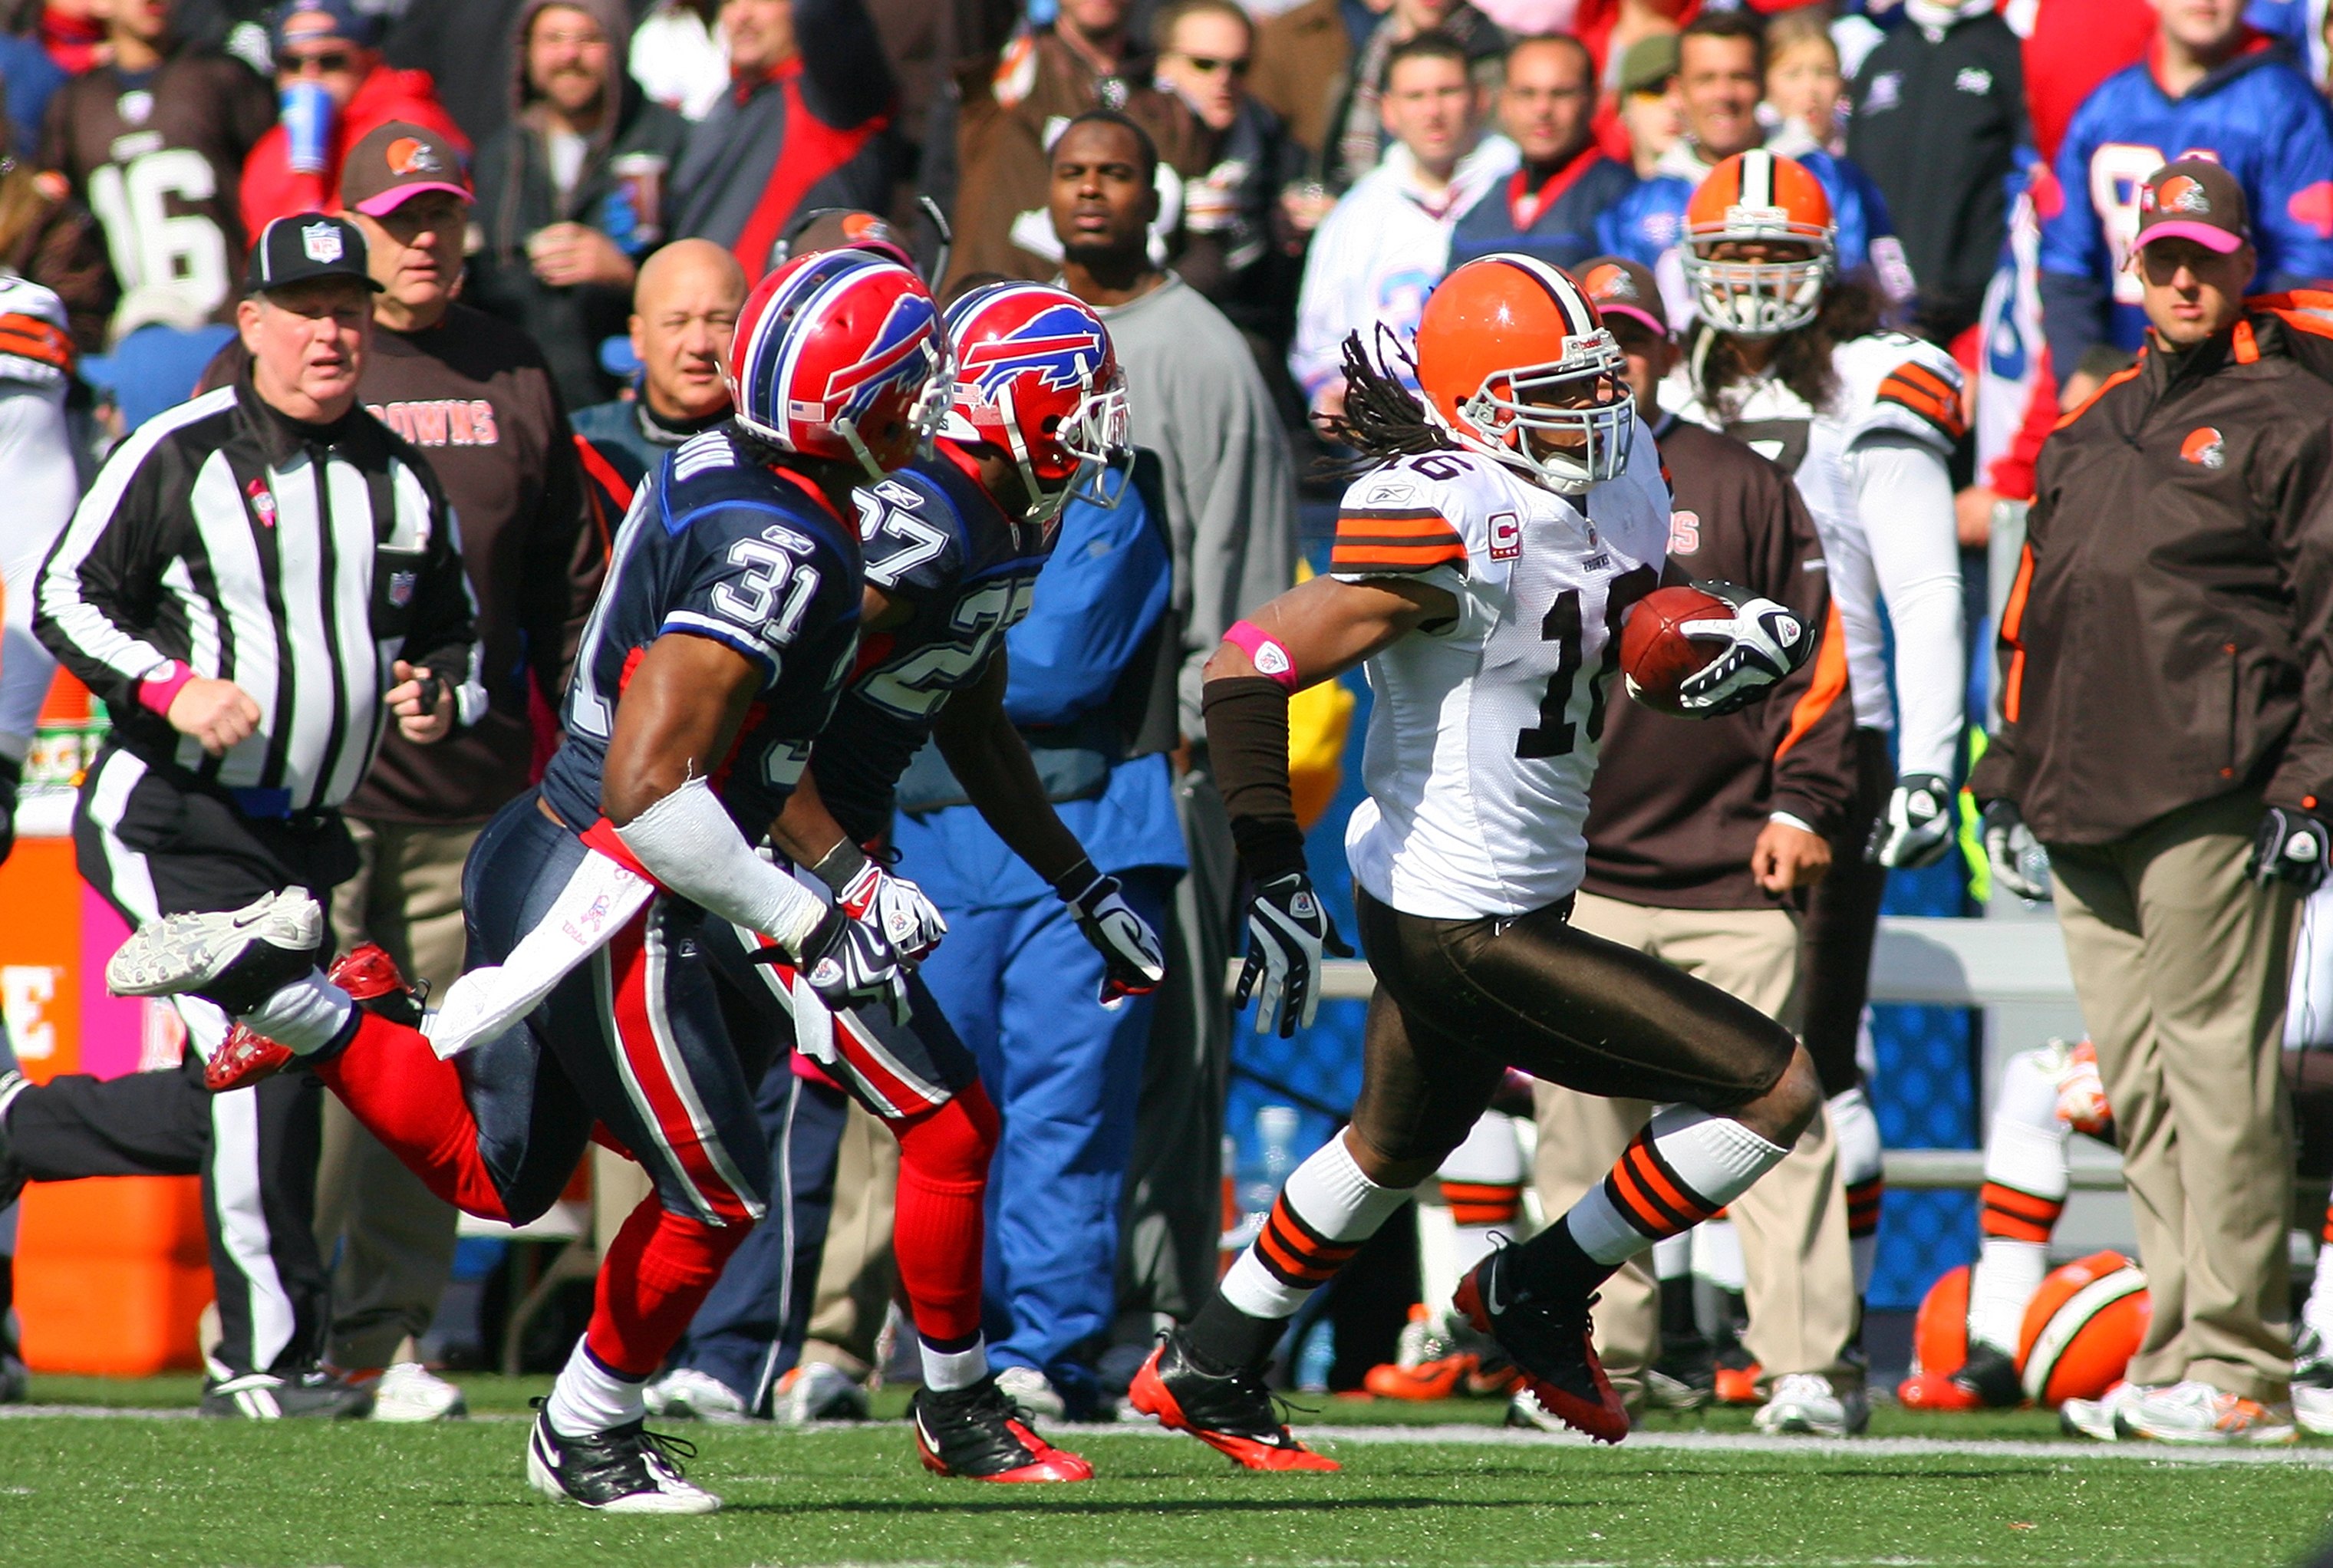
[412, 1101]
[657, 1273]
[939, 1230]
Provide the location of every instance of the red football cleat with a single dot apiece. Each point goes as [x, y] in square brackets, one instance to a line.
[1738, 1385]
[243, 1058]
[978, 1433]
[1231, 1412]
[1935, 1391]
[1553, 1344]
[368, 974]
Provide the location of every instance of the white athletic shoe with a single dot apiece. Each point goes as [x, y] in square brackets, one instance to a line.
[409, 1392]
[2195, 1412]
[2098, 1418]
[237, 958]
[625, 1471]
[2312, 1409]
[699, 1396]
[1807, 1404]
[1033, 1391]
[817, 1391]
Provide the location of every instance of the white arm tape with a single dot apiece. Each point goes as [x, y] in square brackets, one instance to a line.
[687, 842]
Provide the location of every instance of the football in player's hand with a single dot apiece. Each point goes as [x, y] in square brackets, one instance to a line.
[1656, 656]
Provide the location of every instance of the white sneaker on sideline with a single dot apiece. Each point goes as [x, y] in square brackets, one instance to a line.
[817, 1391]
[1033, 1391]
[686, 1393]
[1807, 1404]
[409, 1392]
[2312, 1409]
[2194, 1411]
[2096, 1417]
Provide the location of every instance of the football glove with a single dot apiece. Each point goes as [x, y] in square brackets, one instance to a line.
[1765, 642]
[851, 964]
[1917, 828]
[2291, 846]
[1288, 934]
[2020, 864]
[1133, 963]
[911, 923]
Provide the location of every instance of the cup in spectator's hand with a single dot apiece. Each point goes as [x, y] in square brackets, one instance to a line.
[308, 112]
[1305, 204]
[567, 253]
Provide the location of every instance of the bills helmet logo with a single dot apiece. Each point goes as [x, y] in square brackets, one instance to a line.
[1060, 347]
[262, 502]
[900, 356]
[2205, 447]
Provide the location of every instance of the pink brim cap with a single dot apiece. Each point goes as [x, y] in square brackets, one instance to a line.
[390, 200]
[2211, 237]
[1637, 312]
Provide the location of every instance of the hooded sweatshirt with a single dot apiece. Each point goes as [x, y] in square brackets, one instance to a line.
[519, 193]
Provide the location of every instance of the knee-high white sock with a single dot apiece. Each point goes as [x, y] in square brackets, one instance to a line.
[1857, 1129]
[1322, 1216]
[1679, 1171]
[587, 1398]
[1717, 1255]
[1482, 1183]
[1673, 1256]
[307, 1014]
[2024, 1193]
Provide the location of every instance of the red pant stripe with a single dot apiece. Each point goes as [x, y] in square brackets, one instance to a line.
[631, 974]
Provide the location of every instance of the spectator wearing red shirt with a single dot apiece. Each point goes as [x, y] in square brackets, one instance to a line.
[331, 42]
[2072, 46]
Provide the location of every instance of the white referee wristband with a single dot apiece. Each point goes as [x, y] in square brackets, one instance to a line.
[1788, 821]
[687, 842]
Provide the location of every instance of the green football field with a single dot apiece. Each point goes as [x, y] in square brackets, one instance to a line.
[145, 1483]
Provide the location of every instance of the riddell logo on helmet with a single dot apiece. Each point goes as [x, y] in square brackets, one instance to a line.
[2205, 447]
[407, 156]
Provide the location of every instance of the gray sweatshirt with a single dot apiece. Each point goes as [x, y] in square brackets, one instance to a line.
[1196, 400]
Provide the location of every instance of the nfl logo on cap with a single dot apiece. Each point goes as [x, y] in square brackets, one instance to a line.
[322, 243]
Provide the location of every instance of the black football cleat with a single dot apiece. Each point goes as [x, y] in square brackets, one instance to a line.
[1553, 1343]
[237, 958]
[311, 1395]
[1231, 1412]
[626, 1470]
[979, 1434]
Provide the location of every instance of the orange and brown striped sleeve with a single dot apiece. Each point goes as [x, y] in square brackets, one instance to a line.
[1395, 540]
[1913, 387]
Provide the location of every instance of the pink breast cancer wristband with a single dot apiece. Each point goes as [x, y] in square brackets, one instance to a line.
[1264, 652]
[157, 695]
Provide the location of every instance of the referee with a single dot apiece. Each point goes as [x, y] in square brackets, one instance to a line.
[258, 580]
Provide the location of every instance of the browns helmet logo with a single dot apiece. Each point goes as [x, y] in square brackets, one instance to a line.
[2205, 447]
[1610, 282]
[2180, 193]
[410, 155]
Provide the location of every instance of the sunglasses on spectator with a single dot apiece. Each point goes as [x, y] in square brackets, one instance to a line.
[1207, 66]
[325, 63]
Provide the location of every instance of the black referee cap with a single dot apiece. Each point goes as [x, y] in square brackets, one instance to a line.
[309, 245]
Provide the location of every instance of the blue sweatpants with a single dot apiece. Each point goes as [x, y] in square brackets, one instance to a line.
[1019, 983]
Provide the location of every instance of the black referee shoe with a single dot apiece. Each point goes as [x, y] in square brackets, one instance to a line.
[237, 958]
[314, 1394]
[626, 1470]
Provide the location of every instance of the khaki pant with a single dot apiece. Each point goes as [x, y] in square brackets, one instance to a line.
[1800, 1281]
[855, 1272]
[395, 1236]
[2181, 965]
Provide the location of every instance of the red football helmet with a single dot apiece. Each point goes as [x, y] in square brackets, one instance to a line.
[1757, 197]
[841, 354]
[1035, 377]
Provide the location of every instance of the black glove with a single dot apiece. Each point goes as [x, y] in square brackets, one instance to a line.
[1765, 643]
[1133, 963]
[2019, 863]
[852, 963]
[12, 775]
[2291, 845]
[1917, 828]
[1288, 933]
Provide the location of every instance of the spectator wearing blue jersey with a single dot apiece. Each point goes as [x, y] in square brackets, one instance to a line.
[2212, 87]
[1548, 206]
[2299, 26]
[1721, 75]
[1091, 690]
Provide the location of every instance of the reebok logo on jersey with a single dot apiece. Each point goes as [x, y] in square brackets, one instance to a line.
[1506, 536]
[2205, 447]
[441, 421]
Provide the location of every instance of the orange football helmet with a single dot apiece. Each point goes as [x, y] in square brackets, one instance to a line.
[1516, 365]
[1756, 196]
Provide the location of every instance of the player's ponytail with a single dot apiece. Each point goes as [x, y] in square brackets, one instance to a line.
[1383, 418]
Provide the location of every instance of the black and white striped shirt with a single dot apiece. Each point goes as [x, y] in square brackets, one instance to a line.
[297, 564]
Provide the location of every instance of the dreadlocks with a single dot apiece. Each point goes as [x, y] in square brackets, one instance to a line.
[1382, 417]
[1803, 358]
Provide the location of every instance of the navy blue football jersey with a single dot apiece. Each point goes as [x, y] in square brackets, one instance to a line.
[934, 541]
[718, 545]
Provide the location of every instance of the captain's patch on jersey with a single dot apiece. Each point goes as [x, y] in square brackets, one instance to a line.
[1937, 401]
[1396, 539]
[1506, 536]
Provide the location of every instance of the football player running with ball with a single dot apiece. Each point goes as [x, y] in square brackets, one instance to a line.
[1483, 568]
[728, 624]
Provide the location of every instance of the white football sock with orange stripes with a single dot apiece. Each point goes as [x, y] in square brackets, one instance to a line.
[1857, 1133]
[1322, 1216]
[1482, 1183]
[2024, 1193]
[1679, 1171]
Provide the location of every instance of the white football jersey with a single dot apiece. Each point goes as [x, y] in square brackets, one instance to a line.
[1885, 381]
[1484, 732]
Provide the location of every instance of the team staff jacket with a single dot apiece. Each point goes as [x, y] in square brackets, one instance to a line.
[1678, 803]
[2166, 639]
[298, 561]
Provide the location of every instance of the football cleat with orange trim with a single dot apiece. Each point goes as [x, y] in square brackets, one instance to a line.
[1737, 1385]
[1760, 243]
[979, 1434]
[1231, 1412]
[1553, 1345]
[1440, 1358]
[1516, 365]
